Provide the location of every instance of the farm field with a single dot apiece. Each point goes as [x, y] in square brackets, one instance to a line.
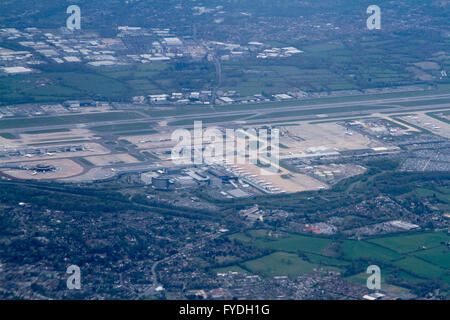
[401, 253]
[65, 85]
[409, 243]
[420, 268]
[439, 256]
[282, 264]
[357, 250]
[289, 243]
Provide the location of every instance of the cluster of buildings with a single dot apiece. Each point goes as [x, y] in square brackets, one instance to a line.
[279, 53]
[175, 178]
[378, 128]
[131, 45]
[240, 286]
[16, 61]
[233, 97]
[191, 97]
[229, 50]
[206, 97]
[11, 152]
[221, 183]
[67, 107]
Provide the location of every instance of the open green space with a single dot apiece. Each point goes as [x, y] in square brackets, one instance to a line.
[361, 250]
[442, 195]
[295, 254]
[439, 256]
[424, 102]
[437, 116]
[361, 279]
[413, 242]
[135, 133]
[47, 131]
[85, 162]
[420, 268]
[123, 127]
[288, 243]
[59, 86]
[72, 119]
[309, 112]
[195, 109]
[186, 122]
[324, 260]
[284, 114]
[68, 142]
[281, 264]
[7, 135]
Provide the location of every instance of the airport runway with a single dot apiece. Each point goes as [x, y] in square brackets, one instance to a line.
[385, 105]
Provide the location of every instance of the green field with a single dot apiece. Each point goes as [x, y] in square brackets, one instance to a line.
[437, 116]
[309, 112]
[67, 142]
[295, 254]
[424, 102]
[289, 243]
[422, 130]
[249, 117]
[249, 78]
[135, 133]
[356, 250]
[59, 86]
[361, 279]
[60, 83]
[8, 136]
[63, 120]
[123, 127]
[439, 256]
[280, 264]
[443, 195]
[186, 122]
[47, 131]
[420, 268]
[139, 79]
[372, 61]
[196, 109]
[324, 260]
[85, 162]
[414, 242]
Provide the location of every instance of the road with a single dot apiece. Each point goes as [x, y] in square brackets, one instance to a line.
[190, 247]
